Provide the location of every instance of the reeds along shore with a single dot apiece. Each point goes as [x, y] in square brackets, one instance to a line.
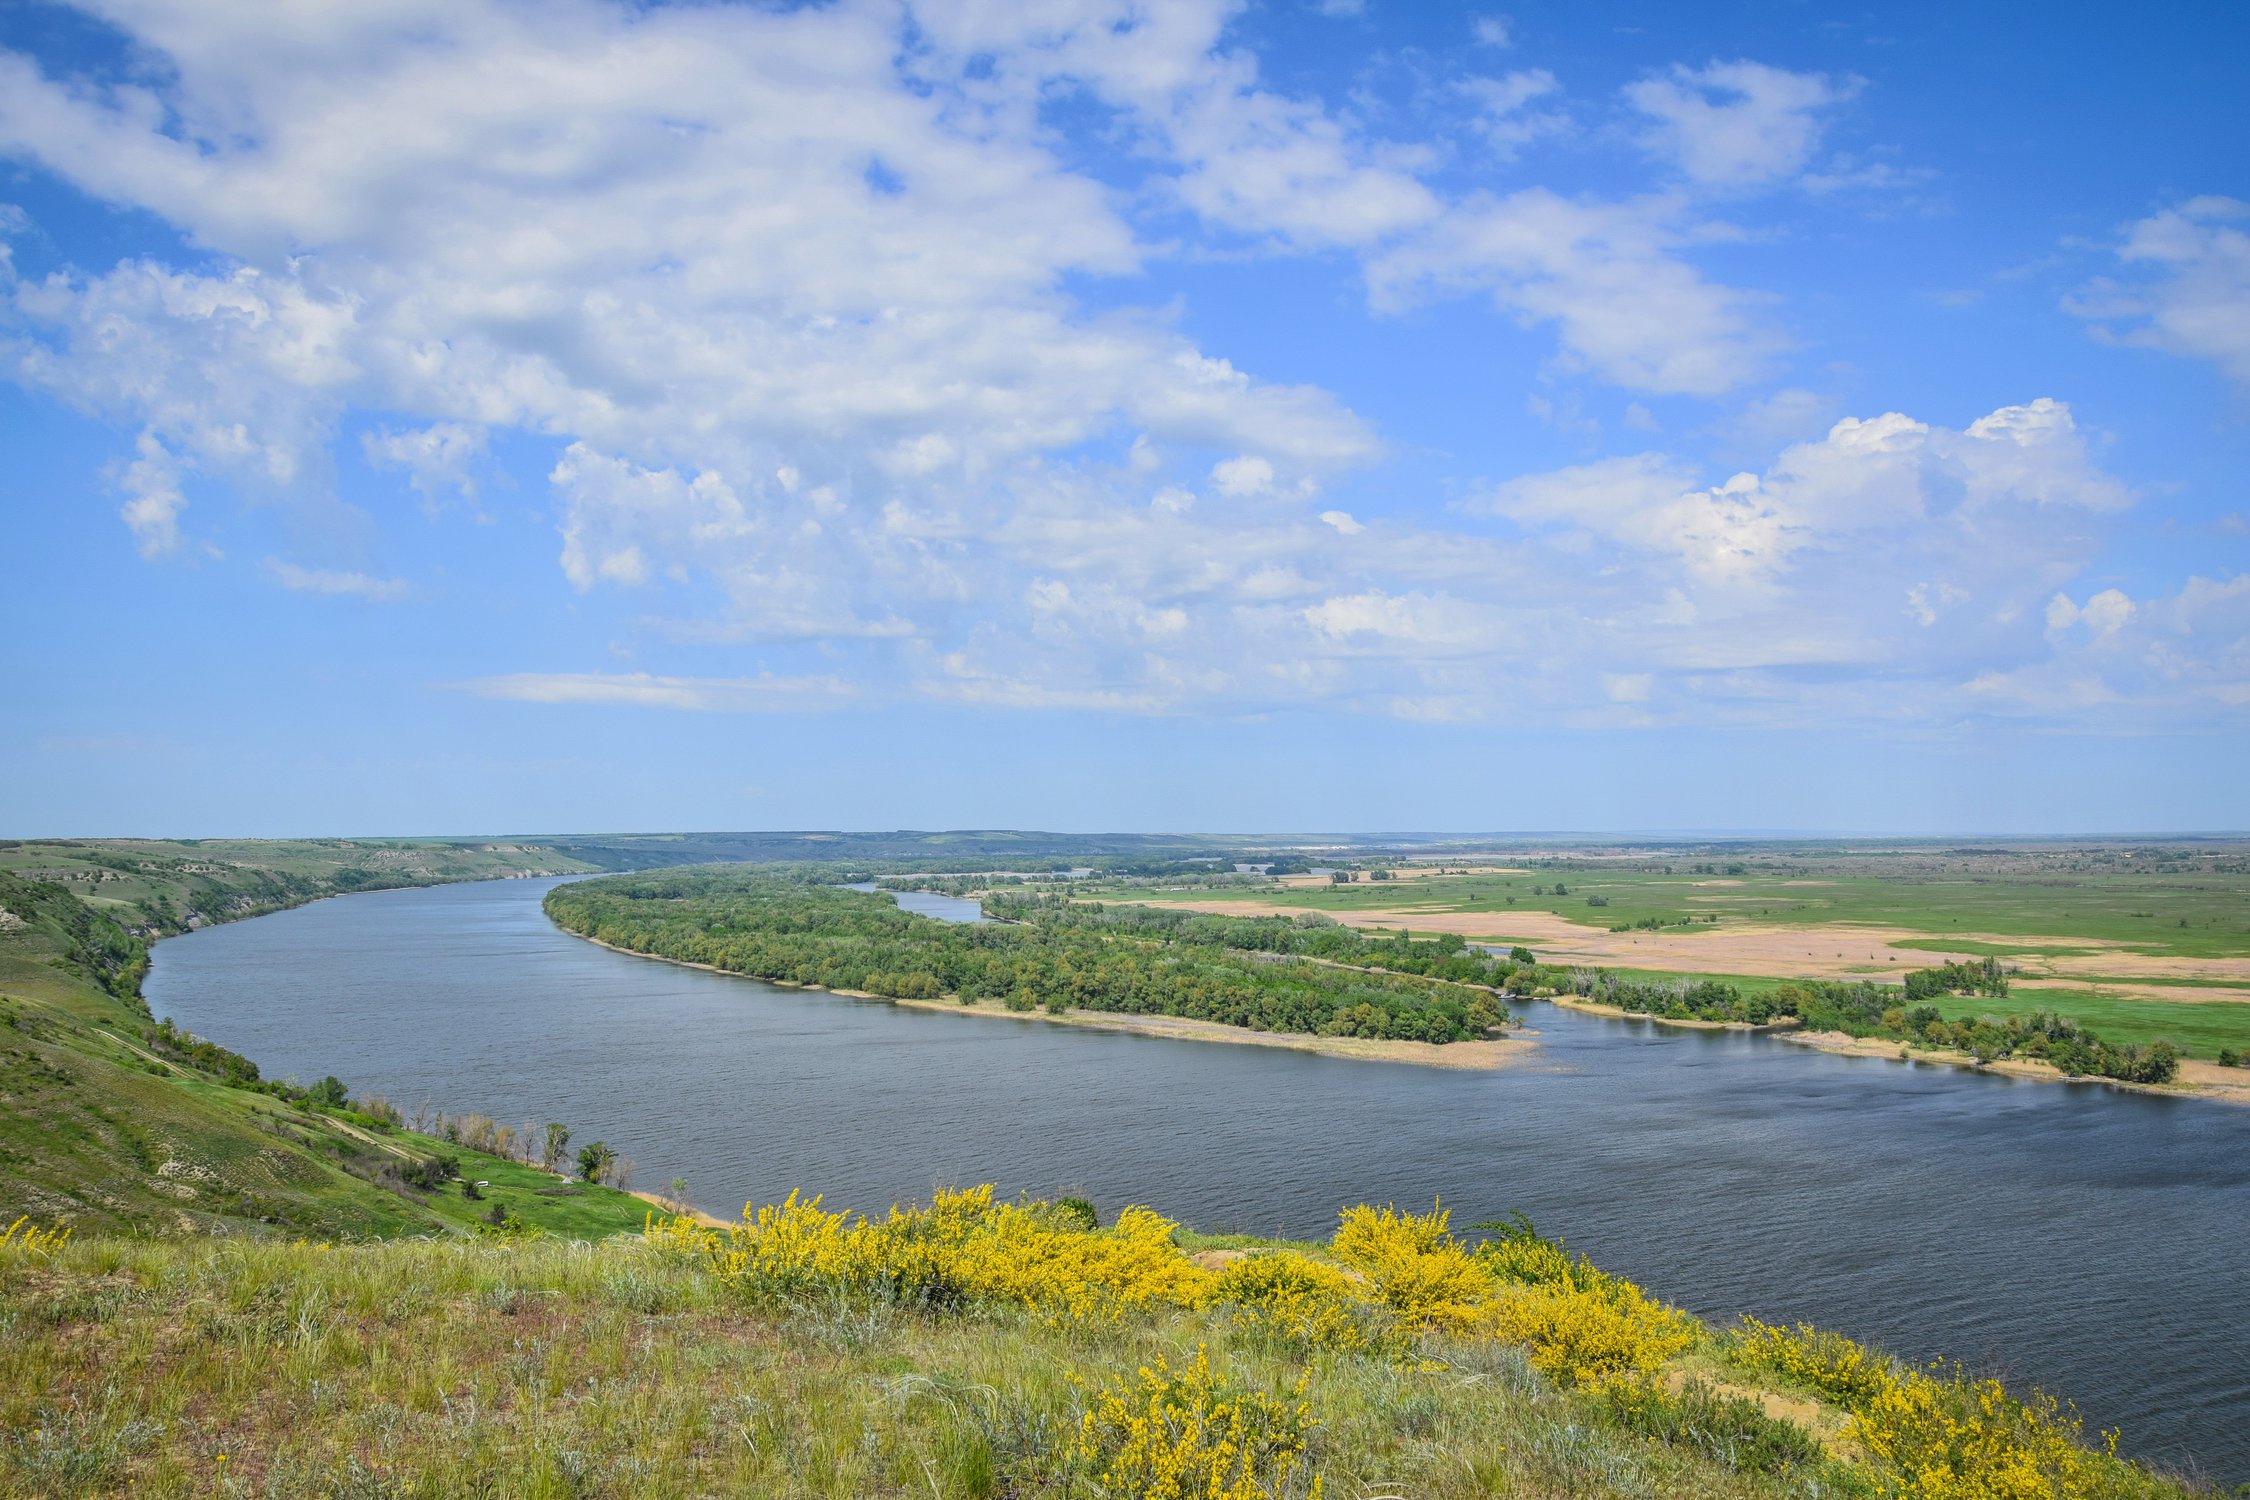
[970, 1347]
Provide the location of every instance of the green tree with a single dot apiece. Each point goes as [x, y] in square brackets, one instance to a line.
[594, 1161]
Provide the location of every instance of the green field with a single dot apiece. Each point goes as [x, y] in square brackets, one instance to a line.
[2193, 914]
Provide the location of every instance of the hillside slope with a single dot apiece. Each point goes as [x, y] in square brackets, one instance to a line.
[110, 1124]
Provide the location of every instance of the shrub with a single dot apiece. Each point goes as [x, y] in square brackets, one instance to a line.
[1414, 1267]
[1297, 1300]
[1185, 1434]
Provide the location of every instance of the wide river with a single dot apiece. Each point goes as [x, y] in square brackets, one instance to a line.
[2092, 1241]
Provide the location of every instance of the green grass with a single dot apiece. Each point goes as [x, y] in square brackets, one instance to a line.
[2197, 1030]
[537, 1369]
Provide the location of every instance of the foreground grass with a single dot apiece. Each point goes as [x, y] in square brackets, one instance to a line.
[690, 1364]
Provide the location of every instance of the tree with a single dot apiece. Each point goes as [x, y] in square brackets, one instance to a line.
[328, 1093]
[594, 1161]
[558, 1140]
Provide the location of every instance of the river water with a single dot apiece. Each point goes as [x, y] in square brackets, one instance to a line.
[2087, 1239]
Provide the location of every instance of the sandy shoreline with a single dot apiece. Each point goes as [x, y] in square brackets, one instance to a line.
[1471, 1055]
[1620, 1013]
[2197, 1080]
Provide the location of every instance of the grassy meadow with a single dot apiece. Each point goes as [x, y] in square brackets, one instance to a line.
[968, 1349]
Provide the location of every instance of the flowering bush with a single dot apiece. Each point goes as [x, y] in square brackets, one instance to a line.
[962, 1248]
[1184, 1435]
[1414, 1267]
[1590, 1337]
[1826, 1362]
[1938, 1434]
[1298, 1300]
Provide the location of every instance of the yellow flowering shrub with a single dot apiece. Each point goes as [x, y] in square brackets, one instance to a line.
[1184, 1435]
[1526, 1257]
[961, 1248]
[1413, 1265]
[1826, 1362]
[1296, 1298]
[31, 1239]
[1590, 1337]
[1938, 1434]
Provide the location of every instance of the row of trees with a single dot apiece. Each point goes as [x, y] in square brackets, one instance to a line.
[1863, 1009]
[772, 924]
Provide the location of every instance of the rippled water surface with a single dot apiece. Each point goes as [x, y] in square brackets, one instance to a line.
[2089, 1240]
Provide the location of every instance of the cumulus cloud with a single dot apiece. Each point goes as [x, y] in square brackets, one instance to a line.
[2188, 286]
[1736, 125]
[794, 297]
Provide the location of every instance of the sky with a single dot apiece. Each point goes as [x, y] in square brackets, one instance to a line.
[429, 416]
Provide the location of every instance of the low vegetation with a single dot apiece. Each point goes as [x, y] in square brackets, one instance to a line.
[967, 1348]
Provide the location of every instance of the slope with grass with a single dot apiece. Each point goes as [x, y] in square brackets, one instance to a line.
[971, 1349]
[108, 1124]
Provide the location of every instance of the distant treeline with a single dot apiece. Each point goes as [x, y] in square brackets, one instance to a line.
[773, 924]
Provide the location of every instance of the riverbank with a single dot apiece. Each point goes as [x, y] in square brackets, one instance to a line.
[1684, 1023]
[2196, 1080]
[1459, 1055]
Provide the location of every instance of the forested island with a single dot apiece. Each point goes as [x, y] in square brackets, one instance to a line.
[799, 926]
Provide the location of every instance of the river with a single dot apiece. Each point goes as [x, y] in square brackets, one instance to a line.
[2087, 1239]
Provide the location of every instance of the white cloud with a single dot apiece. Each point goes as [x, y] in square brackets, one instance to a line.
[760, 694]
[2103, 614]
[1491, 31]
[2191, 291]
[794, 296]
[1606, 275]
[438, 458]
[1736, 125]
[352, 585]
[1504, 116]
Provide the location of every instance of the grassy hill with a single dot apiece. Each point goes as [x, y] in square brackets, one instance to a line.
[109, 1125]
[969, 1349]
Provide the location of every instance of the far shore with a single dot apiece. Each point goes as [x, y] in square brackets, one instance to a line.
[1470, 1055]
[2197, 1079]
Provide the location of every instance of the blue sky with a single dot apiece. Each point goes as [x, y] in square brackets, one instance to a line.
[440, 417]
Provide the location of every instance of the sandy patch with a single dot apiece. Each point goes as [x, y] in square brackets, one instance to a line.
[1476, 1055]
[697, 1214]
